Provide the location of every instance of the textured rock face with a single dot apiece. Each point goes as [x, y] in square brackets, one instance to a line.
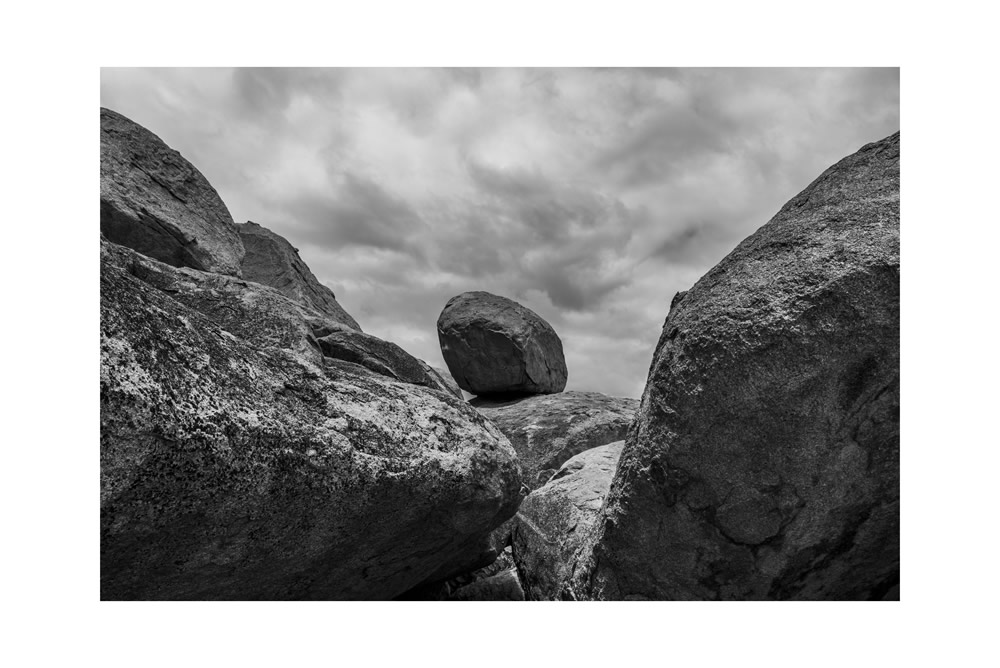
[382, 357]
[235, 470]
[493, 345]
[764, 462]
[271, 260]
[256, 313]
[552, 520]
[156, 202]
[547, 430]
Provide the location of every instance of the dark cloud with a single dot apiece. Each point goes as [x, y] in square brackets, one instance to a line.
[670, 141]
[513, 183]
[590, 195]
[359, 212]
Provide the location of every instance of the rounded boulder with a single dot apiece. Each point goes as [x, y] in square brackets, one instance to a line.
[493, 345]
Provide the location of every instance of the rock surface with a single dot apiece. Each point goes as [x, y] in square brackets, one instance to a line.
[467, 586]
[764, 462]
[546, 430]
[443, 379]
[382, 357]
[552, 520]
[493, 345]
[237, 470]
[156, 202]
[255, 313]
[271, 260]
[504, 586]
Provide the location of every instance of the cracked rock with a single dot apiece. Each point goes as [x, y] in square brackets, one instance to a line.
[552, 520]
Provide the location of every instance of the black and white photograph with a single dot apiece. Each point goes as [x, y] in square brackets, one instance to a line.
[500, 334]
[540, 333]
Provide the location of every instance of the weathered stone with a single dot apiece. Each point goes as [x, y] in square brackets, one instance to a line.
[546, 430]
[382, 357]
[552, 520]
[764, 461]
[271, 260]
[156, 202]
[256, 313]
[493, 345]
[232, 470]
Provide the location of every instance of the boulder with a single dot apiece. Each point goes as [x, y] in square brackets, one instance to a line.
[382, 357]
[553, 519]
[235, 470]
[156, 202]
[271, 260]
[764, 461]
[546, 430]
[493, 345]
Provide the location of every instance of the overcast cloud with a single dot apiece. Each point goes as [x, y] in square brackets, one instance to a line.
[590, 196]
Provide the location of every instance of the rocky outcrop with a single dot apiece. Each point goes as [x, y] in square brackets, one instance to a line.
[764, 462]
[382, 357]
[263, 316]
[255, 313]
[156, 202]
[234, 469]
[271, 260]
[546, 430]
[493, 345]
[552, 520]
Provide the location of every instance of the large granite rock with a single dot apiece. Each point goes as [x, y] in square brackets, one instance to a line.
[272, 261]
[546, 430]
[764, 462]
[493, 345]
[550, 524]
[156, 202]
[232, 469]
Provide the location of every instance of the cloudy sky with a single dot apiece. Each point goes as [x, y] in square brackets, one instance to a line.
[590, 196]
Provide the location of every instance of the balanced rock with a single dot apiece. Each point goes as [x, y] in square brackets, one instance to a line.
[493, 345]
[232, 470]
[764, 462]
[272, 261]
[546, 430]
[552, 520]
[156, 202]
